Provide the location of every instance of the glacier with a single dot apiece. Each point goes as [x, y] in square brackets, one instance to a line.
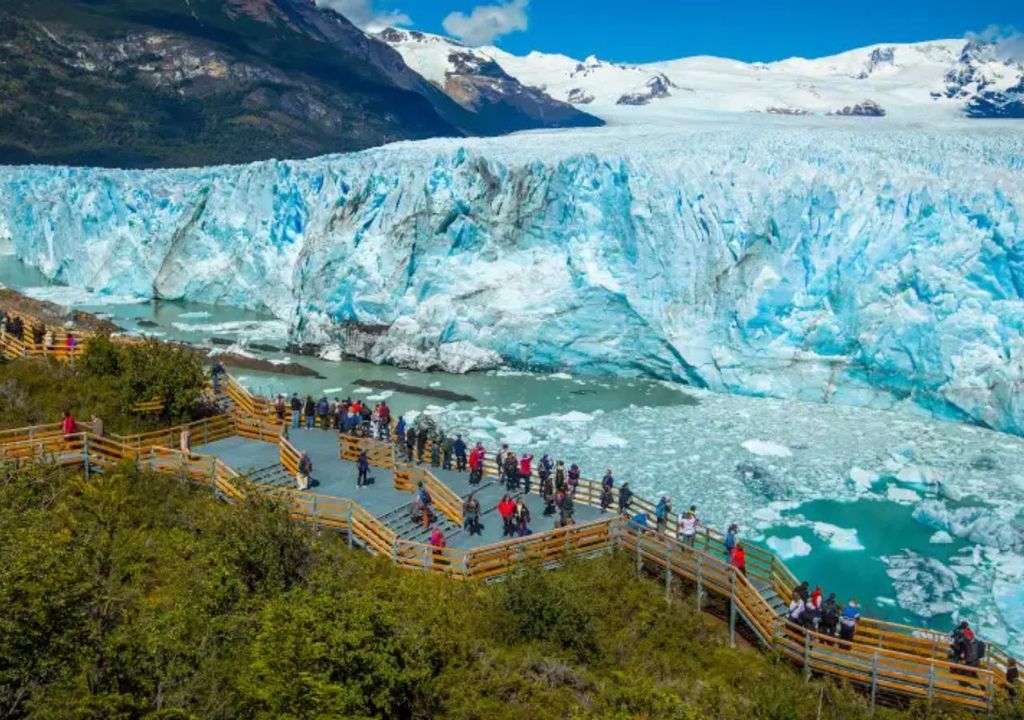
[836, 261]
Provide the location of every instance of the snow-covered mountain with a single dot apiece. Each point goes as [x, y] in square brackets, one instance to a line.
[919, 81]
[474, 80]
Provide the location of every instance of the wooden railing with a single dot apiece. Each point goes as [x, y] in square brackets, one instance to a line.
[288, 455]
[378, 452]
[446, 500]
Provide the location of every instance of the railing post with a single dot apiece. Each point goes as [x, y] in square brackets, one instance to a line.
[206, 431]
[874, 681]
[639, 554]
[213, 476]
[732, 608]
[989, 695]
[700, 580]
[350, 526]
[316, 521]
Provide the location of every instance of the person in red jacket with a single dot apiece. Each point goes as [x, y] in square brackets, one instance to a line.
[506, 508]
[525, 470]
[476, 465]
[68, 424]
[738, 559]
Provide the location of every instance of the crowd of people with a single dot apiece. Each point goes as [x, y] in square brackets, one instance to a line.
[39, 335]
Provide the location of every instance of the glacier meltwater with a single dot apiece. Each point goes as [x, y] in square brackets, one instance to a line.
[816, 259]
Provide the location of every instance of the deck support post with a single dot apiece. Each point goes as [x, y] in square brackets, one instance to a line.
[700, 580]
[989, 694]
[807, 655]
[668, 570]
[350, 530]
[931, 679]
[874, 681]
[213, 476]
[639, 554]
[85, 454]
[732, 608]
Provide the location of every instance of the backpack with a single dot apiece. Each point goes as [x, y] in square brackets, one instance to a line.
[980, 649]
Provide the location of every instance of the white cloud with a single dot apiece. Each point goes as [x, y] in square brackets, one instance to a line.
[487, 22]
[363, 14]
[1008, 40]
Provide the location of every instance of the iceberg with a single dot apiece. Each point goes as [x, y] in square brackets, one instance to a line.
[878, 266]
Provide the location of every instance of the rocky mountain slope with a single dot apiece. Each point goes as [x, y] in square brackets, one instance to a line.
[143, 83]
[475, 81]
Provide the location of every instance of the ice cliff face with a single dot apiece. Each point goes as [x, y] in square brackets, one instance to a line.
[782, 258]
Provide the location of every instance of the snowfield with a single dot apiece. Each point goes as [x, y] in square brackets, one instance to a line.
[810, 258]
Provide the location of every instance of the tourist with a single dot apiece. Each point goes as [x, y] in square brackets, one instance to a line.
[608, 481]
[639, 521]
[522, 518]
[447, 447]
[738, 558]
[688, 526]
[421, 443]
[309, 410]
[364, 468]
[400, 431]
[499, 458]
[625, 499]
[365, 417]
[525, 471]
[511, 471]
[545, 468]
[296, 407]
[812, 617]
[560, 483]
[848, 621]
[566, 509]
[803, 590]
[97, 426]
[661, 512]
[459, 448]
[185, 440]
[471, 515]
[731, 539]
[547, 494]
[68, 425]
[435, 453]
[70, 344]
[506, 509]
[796, 610]
[323, 411]
[279, 408]
[829, 615]
[476, 464]
[47, 341]
[38, 333]
[217, 373]
[607, 498]
[305, 471]
[410, 443]
[438, 545]
[1012, 678]
[573, 479]
[423, 502]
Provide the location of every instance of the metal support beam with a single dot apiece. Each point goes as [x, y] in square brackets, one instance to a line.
[874, 681]
[668, 570]
[732, 608]
[700, 580]
[807, 655]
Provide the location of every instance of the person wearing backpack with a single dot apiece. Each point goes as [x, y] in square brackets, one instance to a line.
[661, 512]
[309, 410]
[279, 408]
[323, 408]
[511, 472]
[296, 406]
[625, 498]
[471, 515]
[447, 447]
[410, 443]
[829, 615]
[364, 468]
[730, 539]
[305, 470]
[459, 448]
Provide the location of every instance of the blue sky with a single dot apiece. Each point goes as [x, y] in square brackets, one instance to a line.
[645, 30]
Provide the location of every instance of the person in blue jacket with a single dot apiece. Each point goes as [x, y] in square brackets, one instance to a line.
[400, 430]
[459, 446]
[323, 408]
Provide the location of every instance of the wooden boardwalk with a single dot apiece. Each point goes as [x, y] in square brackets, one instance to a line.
[248, 451]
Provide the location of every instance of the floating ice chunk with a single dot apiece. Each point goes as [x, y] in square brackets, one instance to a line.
[514, 436]
[862, 479]
[331, 353]
[334, 390]
[380, 396]
[887, 601]
[604, 439]
[920, 475]
[940, 537]
[556, 376]
[436, 383]
[903, 496]
[69, 296]
[787, 548]
[767, 448]
[250, 330]
[361, 390]
[838, 538]
[195, 315]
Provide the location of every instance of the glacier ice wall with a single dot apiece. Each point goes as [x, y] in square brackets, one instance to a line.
[845, 264]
